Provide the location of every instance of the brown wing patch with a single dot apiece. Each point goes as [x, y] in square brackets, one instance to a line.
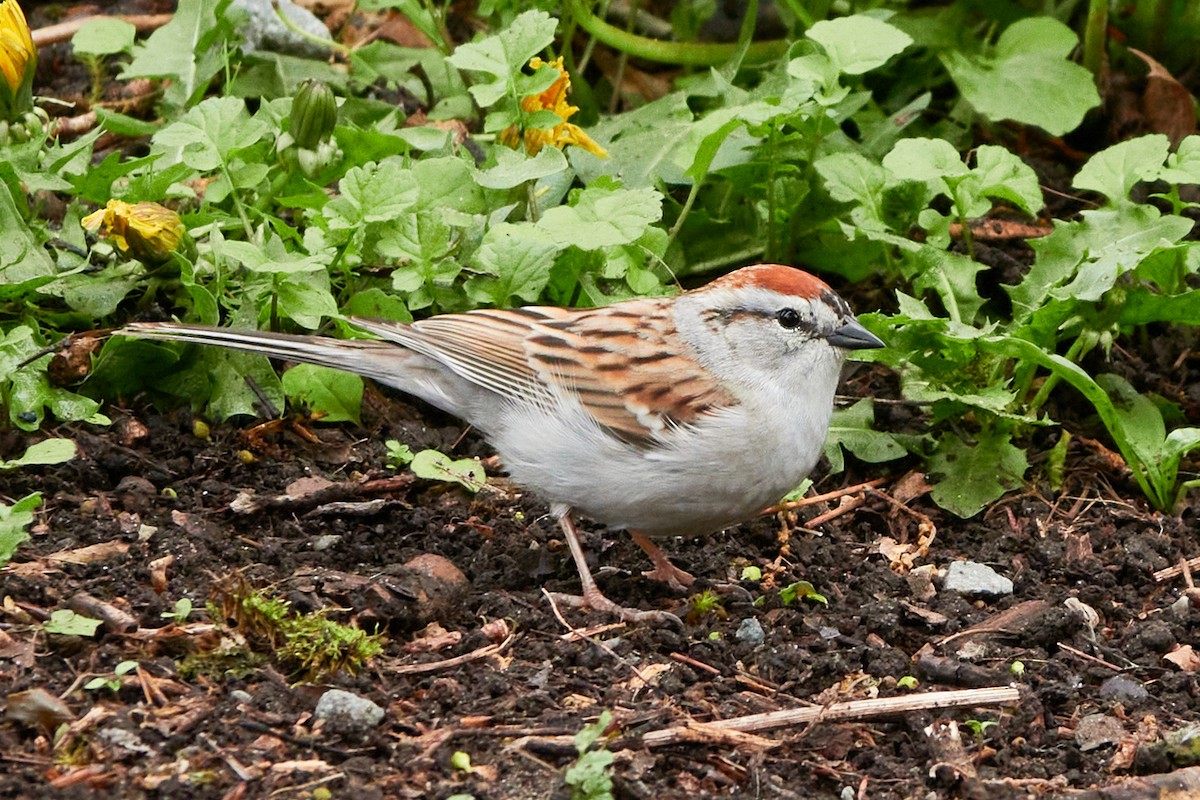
[639, 383]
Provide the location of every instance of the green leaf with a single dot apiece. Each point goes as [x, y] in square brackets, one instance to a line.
[1004, 175]
[434, 466]
[103, 36]
[927, 160]
[373, 193]
[514, 167]
[208, 134]
[47, 451]
[603, 217]
[519, 257]
[335, 394]
[24, 264]
[1028, 77]
[850, 428]
[186, 50]
[1113, 171]
[502, 57]
[13, 521]
[972, 475]
[68, 623]
[859, 43]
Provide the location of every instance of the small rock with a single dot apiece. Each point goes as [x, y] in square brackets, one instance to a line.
[121, 739]
[1097, 730]
[972, 579]
[346, 713]
[751, 632]
[326, 541]
[240, 696]
[1123, 690]
[265, 31]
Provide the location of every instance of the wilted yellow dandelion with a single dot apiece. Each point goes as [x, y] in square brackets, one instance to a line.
[151, 232]
[553, 99]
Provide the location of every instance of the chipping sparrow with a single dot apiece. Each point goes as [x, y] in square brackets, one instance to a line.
[664, 416]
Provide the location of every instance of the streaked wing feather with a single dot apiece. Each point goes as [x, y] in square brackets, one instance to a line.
[625, 364]
[629, 368]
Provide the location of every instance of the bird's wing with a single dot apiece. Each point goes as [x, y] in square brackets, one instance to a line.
[625, 364]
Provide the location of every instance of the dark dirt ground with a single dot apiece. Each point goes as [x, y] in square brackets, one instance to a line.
[251, 733]
[142, 518]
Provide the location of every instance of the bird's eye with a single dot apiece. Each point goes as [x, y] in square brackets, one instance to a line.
[788, 318]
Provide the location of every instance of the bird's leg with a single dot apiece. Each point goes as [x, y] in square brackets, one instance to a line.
[664, 570]
[592, 597]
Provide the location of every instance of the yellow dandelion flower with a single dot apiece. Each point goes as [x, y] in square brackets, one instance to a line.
[553, 99]
[151, 232]
[18, 59]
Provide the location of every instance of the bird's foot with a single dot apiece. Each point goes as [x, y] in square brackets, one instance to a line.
[678, 579]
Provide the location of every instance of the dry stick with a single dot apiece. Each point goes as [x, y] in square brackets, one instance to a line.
[1177, 570]
[434, 666]
[576, 633]
[847, 505]
[854, 709]
[821, 498]
[63, 31]
[1089, 657]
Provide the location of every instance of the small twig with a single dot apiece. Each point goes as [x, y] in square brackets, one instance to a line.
[576, 633]
[691, 662]
[1089, 657]
[114, 619]
[1177, 570]
[854, 709]
[63, 31]
[821, 498]
[447, 663]
[847, 505]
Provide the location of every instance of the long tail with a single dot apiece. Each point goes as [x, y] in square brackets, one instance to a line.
[380, 361]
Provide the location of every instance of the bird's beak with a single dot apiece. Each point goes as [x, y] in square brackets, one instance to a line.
[853, 336]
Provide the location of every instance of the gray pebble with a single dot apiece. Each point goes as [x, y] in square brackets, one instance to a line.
[972, 579]
[751, 632]
[347, 713]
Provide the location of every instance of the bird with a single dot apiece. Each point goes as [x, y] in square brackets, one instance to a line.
[663, 416]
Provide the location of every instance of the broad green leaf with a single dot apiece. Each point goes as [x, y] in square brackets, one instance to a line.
[502, 57]
[68, 623]
[23, 261]
[187, 50]
[1003, 174]
[859, 43]
[851, 428]
[603, 217]
[927, 160]
[13, 521]
[103, 36]
[969, 476]
[208, 134]
[47, 451]
[375, 303]
[373, 193]
[306, 299]
[1113, 171]
[516, 260]
[1028, 77]
[514, 168]
[334, 394]
[435, 466]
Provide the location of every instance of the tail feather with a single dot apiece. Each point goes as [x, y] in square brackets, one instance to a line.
[380, 361]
